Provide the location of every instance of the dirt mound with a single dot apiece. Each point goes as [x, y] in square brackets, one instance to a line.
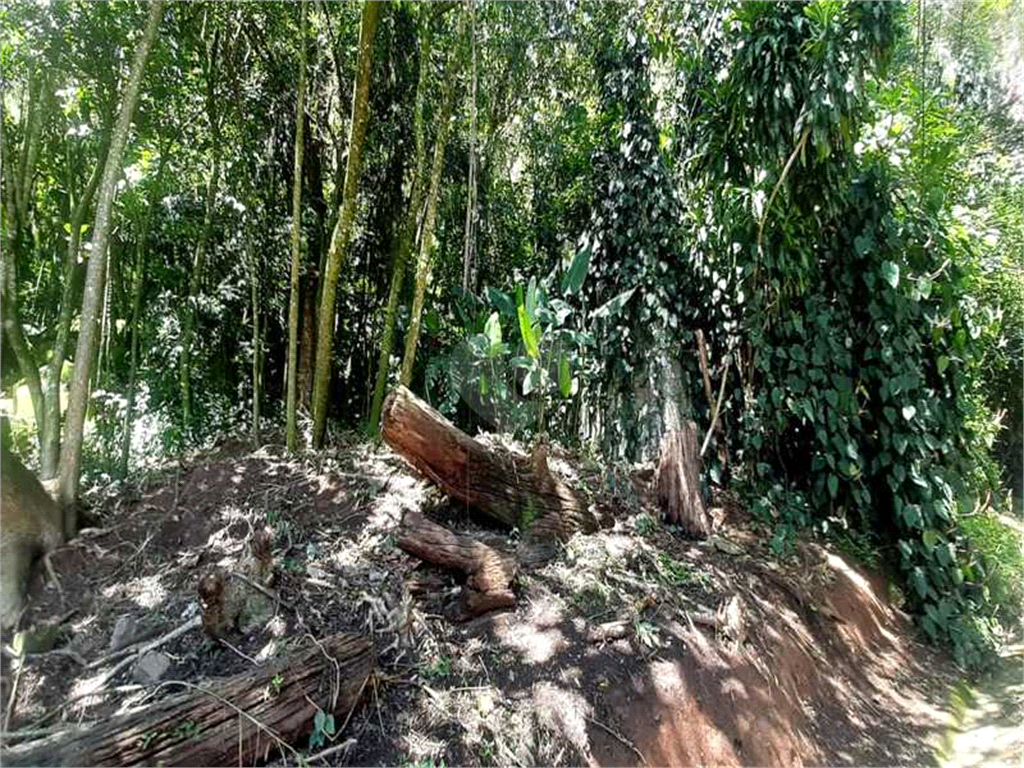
[631, 646]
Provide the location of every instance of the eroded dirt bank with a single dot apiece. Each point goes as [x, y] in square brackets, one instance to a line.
[631, 646]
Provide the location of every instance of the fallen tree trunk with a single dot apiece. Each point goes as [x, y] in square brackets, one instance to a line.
[678, 482]
[237, 720]
[514, 490]
[489, 573]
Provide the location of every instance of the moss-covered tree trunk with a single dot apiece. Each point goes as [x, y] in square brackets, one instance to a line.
[71, 450]
[291, 396]
[427, 240]
[346, 214]
[408, 235]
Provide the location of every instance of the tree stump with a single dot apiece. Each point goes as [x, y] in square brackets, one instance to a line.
[490, 573]
[678, 482]
[514, 490]
[199, 728]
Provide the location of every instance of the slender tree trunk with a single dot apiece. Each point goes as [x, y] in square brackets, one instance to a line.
[37, 104]
[342, 231]
[19, 187]
[23, 353]
[199, 261]
[468, 242]
[427, 240]
[257, 356]
[50, 454]
[103, 342]
[307, 344]
[312, 166]
[138, 281]
[407, 237]
[71, 450]
[291, 432]
[194, 286]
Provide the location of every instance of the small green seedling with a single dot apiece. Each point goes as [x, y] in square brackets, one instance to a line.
[645, 525]
[323, 729]
[186, 730]
[274, 688]
[147, 739]
[441, 667]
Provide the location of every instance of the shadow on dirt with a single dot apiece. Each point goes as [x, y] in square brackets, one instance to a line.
[628, 647]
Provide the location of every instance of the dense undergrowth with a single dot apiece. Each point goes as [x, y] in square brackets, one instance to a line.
[828, 193]
[847, 306]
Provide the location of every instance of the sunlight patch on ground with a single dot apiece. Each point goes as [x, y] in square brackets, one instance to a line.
[146, 592]
[537, 639]
[221, 542]
[422, 748]
[705, 652]
[403, 493]
[564, 713]
[987, 722]
[732, 686]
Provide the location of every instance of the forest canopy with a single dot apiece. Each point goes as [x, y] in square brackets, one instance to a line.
[798, 225]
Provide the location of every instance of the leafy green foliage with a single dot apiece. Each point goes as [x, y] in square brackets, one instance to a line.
[528, 384]
[1000, 547]
[864, 341]
[836, 208]
[641, 290]
[323, 729]
[440, 667]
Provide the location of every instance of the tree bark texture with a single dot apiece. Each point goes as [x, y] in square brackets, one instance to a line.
[677, 482]
[71, 450]
[517, 491]
[206, 728]
[346, 215]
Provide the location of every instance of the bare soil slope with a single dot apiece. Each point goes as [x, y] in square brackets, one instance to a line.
[631, 646]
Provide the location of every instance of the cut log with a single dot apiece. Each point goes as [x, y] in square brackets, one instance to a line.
[517, 491]
[678, 482]
[489, 573]
[199, 728]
